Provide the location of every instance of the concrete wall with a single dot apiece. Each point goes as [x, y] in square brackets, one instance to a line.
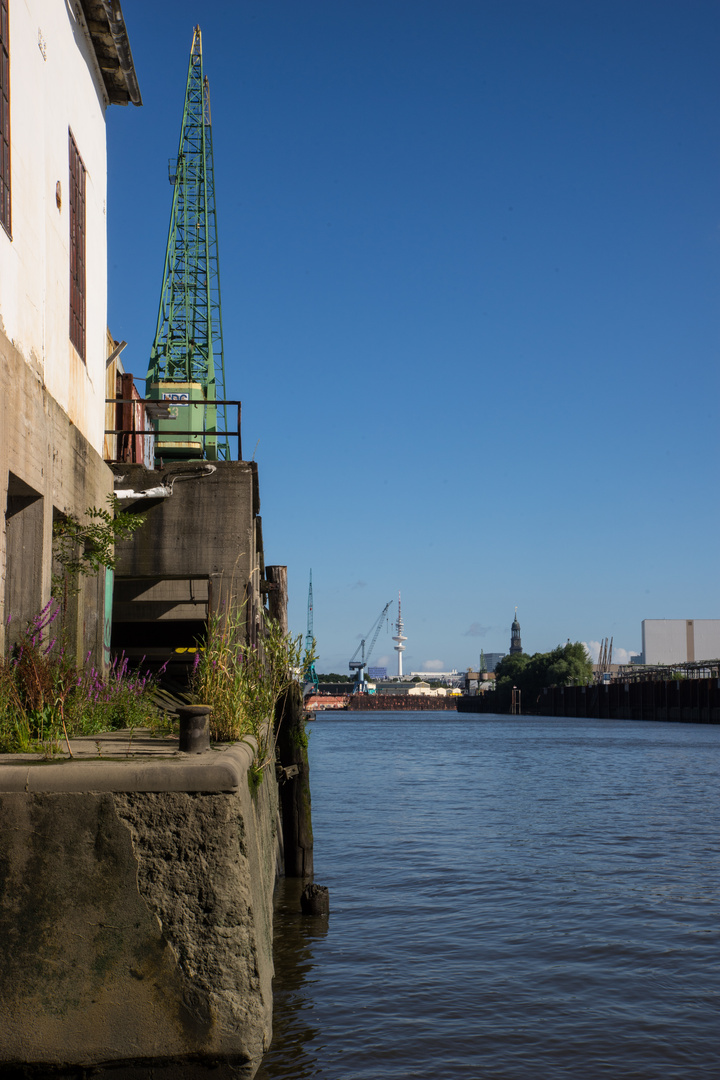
[46, 466]
[137, 924]
[199, 550]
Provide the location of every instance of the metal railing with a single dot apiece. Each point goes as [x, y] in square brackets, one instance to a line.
[690, 669]
[158, 410]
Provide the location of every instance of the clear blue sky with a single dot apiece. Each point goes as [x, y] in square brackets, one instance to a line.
[470, 261]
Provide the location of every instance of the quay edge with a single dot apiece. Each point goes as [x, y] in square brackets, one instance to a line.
[136, 916]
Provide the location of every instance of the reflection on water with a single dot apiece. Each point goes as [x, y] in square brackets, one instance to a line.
[293, 1027]
[509, 899]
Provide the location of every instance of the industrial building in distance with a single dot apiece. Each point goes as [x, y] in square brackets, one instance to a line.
[679, 641]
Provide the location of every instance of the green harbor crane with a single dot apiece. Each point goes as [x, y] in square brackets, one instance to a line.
[186, 361]
[310, 675]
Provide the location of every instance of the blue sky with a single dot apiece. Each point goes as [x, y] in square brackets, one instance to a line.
[470, 258]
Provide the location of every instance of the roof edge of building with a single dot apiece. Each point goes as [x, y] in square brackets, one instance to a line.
[108, 35]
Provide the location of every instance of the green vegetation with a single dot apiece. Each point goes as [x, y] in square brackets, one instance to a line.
[566, 665]
[45, 698]
[334, 677]
[82, 548]
[243, 684]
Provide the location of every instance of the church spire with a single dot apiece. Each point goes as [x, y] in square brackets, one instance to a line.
[515, 643]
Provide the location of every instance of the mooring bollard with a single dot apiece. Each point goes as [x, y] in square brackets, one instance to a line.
[315, 900]
[194, 728]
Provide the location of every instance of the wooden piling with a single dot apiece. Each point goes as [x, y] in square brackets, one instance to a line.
[291, 752]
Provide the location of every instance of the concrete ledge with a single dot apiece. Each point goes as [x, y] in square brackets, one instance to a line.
[136, 893]
[121, 761]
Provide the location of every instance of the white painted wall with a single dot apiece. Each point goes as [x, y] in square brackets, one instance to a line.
[55, 85]
[665, 640]
[707, 639]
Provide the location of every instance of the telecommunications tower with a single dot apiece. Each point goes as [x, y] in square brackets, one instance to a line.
[399, 637]
[186, 361]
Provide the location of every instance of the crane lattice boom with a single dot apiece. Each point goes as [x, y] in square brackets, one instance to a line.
[310, 674]
[358, 666]
[186, 360]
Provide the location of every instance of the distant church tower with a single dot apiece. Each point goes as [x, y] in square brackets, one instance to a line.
[515, 643]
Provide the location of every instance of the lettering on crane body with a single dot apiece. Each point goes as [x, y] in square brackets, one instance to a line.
[182, 396]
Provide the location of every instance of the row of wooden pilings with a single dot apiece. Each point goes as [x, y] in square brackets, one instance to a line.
[689, 701]
[695, 701]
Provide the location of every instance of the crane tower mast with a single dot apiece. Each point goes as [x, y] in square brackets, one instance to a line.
[186, 361]
[310, 674]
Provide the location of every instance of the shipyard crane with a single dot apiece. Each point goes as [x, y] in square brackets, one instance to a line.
[358, 666]
[186, 360]
[310, 675]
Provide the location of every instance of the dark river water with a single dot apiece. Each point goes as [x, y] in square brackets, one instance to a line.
[510, 898]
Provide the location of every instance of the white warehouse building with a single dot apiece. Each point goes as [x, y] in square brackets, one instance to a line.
[61, 66]
[680, 641]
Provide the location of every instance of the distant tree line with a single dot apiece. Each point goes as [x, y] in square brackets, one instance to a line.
[567, 665]
[334, 677]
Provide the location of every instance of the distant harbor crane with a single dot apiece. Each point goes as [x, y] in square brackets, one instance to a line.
[360, 685]
[310, 675]
[604, 664]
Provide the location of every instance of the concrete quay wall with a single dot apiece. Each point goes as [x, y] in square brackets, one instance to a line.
[136, 911]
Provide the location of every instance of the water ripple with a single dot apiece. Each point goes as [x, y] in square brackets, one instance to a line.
[509, 900]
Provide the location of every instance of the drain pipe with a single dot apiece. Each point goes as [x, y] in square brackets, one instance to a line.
[163, 491]
[160, 492]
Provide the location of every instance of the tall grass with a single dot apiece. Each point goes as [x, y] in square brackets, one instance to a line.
[243, 684]
[46, 698]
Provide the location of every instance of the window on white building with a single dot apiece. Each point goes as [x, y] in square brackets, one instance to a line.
[77, 248]
[5, 116]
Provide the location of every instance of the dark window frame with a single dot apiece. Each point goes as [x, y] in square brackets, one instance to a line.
[5, 165]
[78, 277]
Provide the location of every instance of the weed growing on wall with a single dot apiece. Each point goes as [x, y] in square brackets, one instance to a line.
[82, 548]
[45, 698]
[243, 684]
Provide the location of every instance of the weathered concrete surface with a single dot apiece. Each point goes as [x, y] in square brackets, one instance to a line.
[199, 552]
[136, 927]
[129, 761]
[47, 468]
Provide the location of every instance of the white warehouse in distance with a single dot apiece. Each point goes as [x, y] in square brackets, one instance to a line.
[680, 641]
